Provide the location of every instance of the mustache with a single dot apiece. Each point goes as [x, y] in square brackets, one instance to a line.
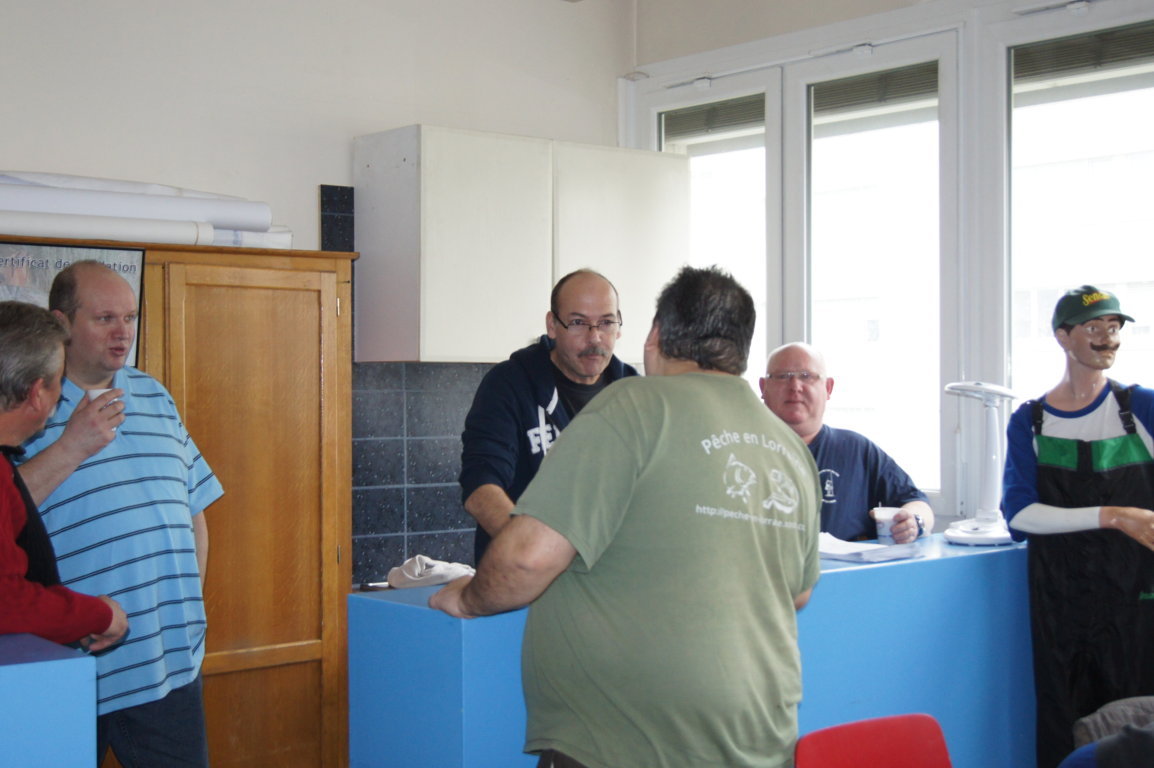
[593, 351]
[1105, 347]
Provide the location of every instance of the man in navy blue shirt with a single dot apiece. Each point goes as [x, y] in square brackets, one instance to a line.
[523, 403]
[856, 475]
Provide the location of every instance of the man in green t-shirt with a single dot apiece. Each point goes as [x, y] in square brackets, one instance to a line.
[665, 544]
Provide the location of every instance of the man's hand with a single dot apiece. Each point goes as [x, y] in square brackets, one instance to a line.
[449, 598]
[92, 426]
[115, 631]
[904, 528]
[905, 525]
[519, 565]
[1135, 522]
[94, 423]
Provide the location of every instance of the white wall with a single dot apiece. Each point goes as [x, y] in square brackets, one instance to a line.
[261, 98]
[668, 29]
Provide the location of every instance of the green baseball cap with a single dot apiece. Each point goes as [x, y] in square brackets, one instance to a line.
[1081, 304]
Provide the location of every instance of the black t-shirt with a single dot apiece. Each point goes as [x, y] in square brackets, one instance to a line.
[33, 539]
[575, 396]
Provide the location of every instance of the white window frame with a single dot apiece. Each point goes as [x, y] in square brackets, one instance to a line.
[971, 41]
[795, 278]
[767, 81]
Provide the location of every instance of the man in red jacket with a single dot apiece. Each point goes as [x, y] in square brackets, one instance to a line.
[32, 599]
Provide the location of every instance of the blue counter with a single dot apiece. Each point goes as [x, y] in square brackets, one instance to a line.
[427, 689]
[947, 634]
[48, 706]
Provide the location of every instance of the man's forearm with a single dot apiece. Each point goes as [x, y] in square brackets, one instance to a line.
[506, 590]
[1135, 522]
[490, 506]
[45, 471]
[200, 534]
[90, 428]
[520, 564]
[1047, 518]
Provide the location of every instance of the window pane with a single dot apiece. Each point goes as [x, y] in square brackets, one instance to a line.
[727, 227]
[726, 145]
[1081, 201]
[874, 292]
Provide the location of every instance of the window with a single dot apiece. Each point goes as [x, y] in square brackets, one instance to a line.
[933, 177]
[1081, 203]
[725, 142]
[873, 257]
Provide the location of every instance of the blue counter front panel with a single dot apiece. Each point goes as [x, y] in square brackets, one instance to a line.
[428, 689]
[946, 634]
[48, 704]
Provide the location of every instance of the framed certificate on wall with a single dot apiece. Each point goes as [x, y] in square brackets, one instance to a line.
[27, 270]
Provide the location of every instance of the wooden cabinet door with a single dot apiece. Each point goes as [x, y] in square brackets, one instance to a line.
[253, 361]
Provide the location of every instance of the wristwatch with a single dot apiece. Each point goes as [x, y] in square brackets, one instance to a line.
[921, 525]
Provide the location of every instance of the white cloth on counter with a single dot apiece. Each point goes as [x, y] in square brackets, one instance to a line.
[424, 571]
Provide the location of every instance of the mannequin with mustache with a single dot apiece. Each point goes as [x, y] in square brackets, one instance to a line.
[1079, 483]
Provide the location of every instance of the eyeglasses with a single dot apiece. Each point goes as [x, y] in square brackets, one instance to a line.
[784, 377]
[579, 326]
[1101, 329]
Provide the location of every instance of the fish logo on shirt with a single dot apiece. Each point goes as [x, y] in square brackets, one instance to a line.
[783, 493]
[738, 479]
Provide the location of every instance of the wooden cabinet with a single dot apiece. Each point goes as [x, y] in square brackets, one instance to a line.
[462, 235]
[255, 347]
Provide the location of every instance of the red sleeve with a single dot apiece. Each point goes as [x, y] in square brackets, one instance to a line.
[54, 613]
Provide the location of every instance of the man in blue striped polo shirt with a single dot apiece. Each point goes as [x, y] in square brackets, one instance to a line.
[121, 488]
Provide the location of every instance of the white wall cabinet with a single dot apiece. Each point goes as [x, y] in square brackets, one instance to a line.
[462, 235]
[625, 213]
[452, 226]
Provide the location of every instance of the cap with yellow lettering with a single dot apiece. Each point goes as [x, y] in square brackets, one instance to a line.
[1081, 304]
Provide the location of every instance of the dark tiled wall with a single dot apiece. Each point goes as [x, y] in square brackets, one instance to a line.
[337, 225]
[407, 421]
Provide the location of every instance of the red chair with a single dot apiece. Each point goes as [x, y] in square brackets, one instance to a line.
[900, 741]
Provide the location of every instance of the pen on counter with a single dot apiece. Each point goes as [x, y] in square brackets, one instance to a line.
[372, 586]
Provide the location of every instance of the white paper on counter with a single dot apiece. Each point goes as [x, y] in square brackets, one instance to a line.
[106, 228]
[832, 548]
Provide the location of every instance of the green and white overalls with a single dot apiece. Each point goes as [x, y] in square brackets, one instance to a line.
[1091, 592]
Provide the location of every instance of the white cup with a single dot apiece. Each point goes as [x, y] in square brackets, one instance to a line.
[885, 520]
[95, 393]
